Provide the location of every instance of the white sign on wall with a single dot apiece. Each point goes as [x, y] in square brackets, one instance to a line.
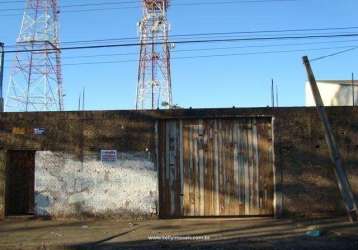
[108, 155]
[39, 131]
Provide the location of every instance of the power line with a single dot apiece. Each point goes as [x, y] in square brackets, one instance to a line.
[138, 6]
[80, 5]
[218, 34]
[21, 1]
[211, 55]
[138, 2]
[231, 2]
[225, 33]
[134, 41]
[74, 5]
[212, 49]
[195, 42]
[334, 54]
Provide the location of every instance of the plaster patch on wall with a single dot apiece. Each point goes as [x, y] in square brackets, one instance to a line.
[65, 186]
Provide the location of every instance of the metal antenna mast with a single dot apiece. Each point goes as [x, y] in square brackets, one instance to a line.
[154, 78]
[36, 78]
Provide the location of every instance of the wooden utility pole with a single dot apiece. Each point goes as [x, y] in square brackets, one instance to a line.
[1, 76]
[272, 94]
[353, 89]
[343, 183]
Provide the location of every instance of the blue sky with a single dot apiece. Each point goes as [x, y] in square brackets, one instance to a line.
[241, 80]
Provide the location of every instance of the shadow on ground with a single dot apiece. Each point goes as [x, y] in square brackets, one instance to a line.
[235, 233]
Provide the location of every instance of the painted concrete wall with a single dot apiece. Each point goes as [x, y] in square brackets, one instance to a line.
[333, 93]
[65, 186]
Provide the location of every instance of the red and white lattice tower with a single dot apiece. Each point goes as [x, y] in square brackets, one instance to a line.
[154, 79]
[36, 79]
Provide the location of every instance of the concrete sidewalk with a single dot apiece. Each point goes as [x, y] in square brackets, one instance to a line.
[235, 233]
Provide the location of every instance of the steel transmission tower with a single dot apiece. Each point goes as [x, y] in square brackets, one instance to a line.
[36, 78]
[154, 79]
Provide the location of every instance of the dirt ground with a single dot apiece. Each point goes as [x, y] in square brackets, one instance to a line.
[234, 233]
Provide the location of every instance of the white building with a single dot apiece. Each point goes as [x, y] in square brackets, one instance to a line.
[334, 93]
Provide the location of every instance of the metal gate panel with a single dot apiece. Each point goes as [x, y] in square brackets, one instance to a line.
[216, 167]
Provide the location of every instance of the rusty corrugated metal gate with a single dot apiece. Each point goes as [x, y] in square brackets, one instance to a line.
[216, 167]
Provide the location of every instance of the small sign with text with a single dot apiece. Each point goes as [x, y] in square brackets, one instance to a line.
[108, 155]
